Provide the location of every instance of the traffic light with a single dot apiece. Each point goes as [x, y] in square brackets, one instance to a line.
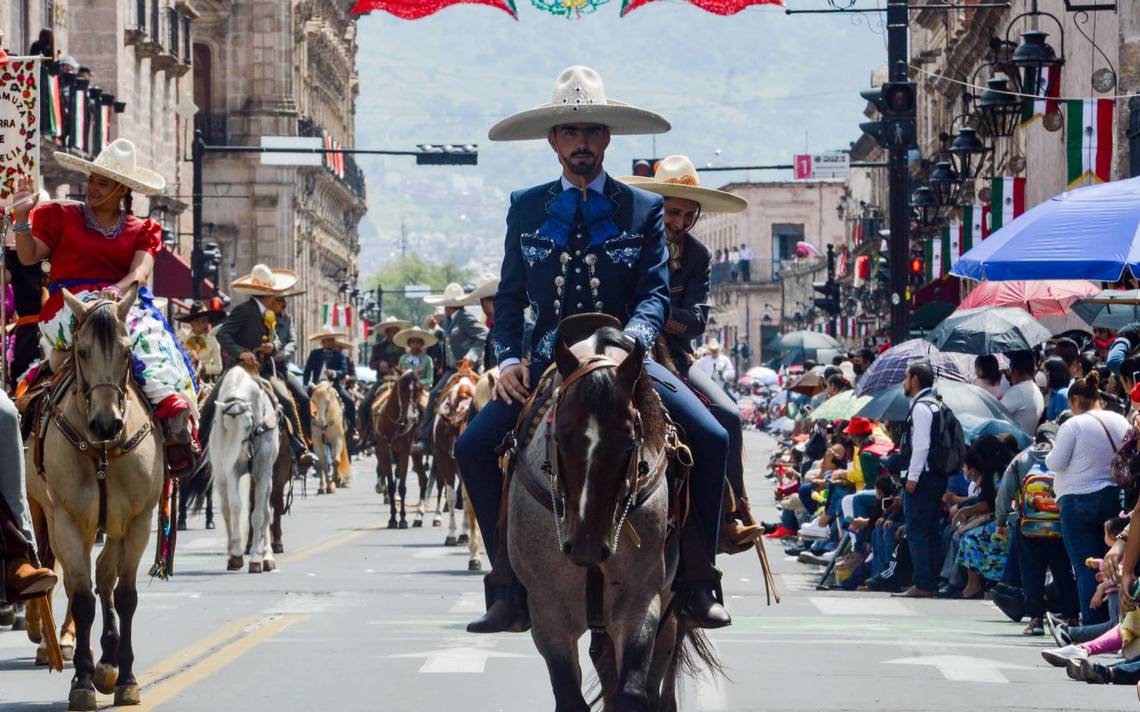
[447, 155]
[829, 302]
[917, 268]
[645, 167]
[896, 103]
[211, 262]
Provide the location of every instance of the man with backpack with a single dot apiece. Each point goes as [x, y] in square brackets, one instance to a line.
[932, 449]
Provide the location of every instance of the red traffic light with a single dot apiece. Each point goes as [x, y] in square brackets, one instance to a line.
[916, 265]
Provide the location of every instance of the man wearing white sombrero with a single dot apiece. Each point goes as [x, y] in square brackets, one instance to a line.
[383, 360]
[585, 243]
[484, 296]
[249, 336]
[686, 200]
[329, 363]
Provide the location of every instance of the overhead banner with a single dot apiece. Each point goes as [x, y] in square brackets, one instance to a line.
[19, 124]
[717, 7]
[417, 9]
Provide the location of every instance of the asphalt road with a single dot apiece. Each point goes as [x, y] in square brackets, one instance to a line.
[362, 618]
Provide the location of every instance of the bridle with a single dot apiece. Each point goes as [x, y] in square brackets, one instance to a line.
[637, 471]
[234, 407]
[404, 425]
[86, 389]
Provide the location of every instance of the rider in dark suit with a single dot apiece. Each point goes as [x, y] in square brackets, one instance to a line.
[287, 338]
[585, 243]
[329, 363]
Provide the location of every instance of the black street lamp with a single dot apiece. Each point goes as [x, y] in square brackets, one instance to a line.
[944, 183]
[999, 108]
[925, 206]
[1034, 58]
[968, 153]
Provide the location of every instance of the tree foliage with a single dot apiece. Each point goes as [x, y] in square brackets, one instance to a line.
[414, 270]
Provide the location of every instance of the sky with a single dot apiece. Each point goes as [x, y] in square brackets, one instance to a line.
[753, 88]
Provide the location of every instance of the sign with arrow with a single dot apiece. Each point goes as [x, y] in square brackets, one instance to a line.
[963, 668]
[456, 660]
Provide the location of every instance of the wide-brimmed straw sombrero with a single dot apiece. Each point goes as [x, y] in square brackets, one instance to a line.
[119, 162]
[452, 296]
[579, 98]
[329, 334]
[401, 339]
[488, 287]
[264, 282]
[676, 177]
[390, 322]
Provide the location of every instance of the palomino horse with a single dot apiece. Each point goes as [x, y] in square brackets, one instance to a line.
[450, 420]
[329, 439]
[102, 468]
[597, 467]
[245, 438]
[395, 415]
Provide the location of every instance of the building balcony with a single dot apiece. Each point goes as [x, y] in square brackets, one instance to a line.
[342, 166]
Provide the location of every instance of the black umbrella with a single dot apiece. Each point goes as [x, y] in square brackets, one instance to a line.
[1111, 309]
[986, 330]
[800, 346]
[893, 406]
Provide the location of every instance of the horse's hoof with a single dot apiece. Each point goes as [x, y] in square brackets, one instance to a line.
[418, 523]
[392, 524]
[255, 567]
[247, 547]
[437, 522]
[269, 565]
[67, 650]
[332, 488]
[320, 490]
[235, 563]
[210, 524]
[278, 547]
[41, 656]
[100, 537]
[105, 678]
[464, 539]
[127, 695]
[474, 565]
[403, 523]
[451, 541]
[7, 614]
[379, 488]
[81, 699]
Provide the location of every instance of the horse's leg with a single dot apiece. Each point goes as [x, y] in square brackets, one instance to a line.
[655, 686]
[226, 486]
[465, 534]
[402, 480]
[74, 552]
[421, 476]
[437, 520]
[259, 486]
[282, 473]
[106, 575]
[636, 635]
[452, 539]
[392, 524]
[474, 538]
[559, 648]
[126, 602]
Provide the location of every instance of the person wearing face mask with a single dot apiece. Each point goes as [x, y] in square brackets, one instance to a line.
[861, 361]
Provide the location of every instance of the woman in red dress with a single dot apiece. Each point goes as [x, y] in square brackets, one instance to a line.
[99, 247]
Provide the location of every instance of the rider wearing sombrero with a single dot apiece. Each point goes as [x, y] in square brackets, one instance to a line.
[586, 243]
[328, 363]
[484, 296]
[686, 201]
[98, 248]
[201, 343]
[383, 360]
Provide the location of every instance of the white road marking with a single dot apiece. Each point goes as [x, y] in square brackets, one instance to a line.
[861, 607]
[203, 544]
[456, 660]
[964, 668]
[439, 552]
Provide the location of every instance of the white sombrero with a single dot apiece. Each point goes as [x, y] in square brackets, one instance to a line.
[488, 287]
[712, 344]
[119, 163]
[579, 98]
[401, 339]
[392, 322]
[452, 296]
[676, 177]
[322, 335]
[264, 282]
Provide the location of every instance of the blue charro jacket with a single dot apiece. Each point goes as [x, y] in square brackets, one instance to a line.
[621, 270]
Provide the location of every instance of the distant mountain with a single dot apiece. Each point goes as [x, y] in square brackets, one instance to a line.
[759, 86]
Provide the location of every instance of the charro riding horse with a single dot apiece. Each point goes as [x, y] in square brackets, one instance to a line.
[588, 530]
[102, 466]
[451, 418]
[395, 416]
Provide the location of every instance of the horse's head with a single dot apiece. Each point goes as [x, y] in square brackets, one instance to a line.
[101, 352]
[408, 390]
[600, 437]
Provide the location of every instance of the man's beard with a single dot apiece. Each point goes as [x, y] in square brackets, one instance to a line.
[582, 169]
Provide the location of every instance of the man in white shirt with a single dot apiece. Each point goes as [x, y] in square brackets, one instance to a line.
[745, 263]
[734, 263]
[1023, 399]
[716, 365]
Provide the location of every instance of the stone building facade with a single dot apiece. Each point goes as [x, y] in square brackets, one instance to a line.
[280, 68]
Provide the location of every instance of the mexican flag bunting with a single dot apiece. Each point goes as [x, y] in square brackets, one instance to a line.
[348, 316]
[326, 314]
[1088, 140]
[50, 116]
[951, 245]
[106, 137]
[1007, 201]
[929, 257]
[79, 120]
[1045, 83]
[971, 226]
[717, 7]
[416, 9]
[327, 141]
[857, 232]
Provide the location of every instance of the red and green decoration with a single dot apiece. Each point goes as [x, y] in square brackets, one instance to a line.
[1088, 140]
[418, 9]
[716, 7]
[570, 9]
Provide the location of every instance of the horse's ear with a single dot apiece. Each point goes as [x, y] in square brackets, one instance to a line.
[630, 369]
[124, 306]
[567, 362]
[74, 303]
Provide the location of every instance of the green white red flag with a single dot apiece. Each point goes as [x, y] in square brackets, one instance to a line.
[1088, 140]
[973, 221]
[1045, 83]
[417, 9]
[1007, 201]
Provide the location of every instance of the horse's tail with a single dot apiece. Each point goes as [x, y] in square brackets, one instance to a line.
[693, 656]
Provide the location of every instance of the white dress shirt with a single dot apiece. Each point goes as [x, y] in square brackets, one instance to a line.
[718, 368]
[922, 418]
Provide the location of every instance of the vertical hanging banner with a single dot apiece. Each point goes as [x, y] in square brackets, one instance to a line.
[1046, 85]
[1088, 140]
[1007, 200]
[19, 123]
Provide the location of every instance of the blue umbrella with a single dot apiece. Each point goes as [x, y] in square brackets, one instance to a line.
[1088, 233]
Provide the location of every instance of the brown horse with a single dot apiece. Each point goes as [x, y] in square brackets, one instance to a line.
[451, 419]
[395, 416]
[587, 534]
[103, 468]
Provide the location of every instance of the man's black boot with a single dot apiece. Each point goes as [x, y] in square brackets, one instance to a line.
[703, 610]
[504, 614]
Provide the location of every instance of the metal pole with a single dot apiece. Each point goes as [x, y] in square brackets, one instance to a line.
[198, 153]
[898, 56]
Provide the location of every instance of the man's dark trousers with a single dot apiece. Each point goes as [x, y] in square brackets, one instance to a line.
[479, 465]
[923, 533]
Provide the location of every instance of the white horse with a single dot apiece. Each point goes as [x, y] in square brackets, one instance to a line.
[244, 439]
[329, 441]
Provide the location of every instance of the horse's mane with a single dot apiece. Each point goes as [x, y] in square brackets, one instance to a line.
[600, 388]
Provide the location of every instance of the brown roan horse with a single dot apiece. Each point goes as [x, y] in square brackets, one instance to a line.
[103, 468]
[587, 534]
[395, 416]
[451, 419]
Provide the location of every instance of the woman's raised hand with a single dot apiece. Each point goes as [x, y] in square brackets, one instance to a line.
[26, 197]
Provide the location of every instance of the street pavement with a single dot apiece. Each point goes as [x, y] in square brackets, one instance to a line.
[362, 618]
